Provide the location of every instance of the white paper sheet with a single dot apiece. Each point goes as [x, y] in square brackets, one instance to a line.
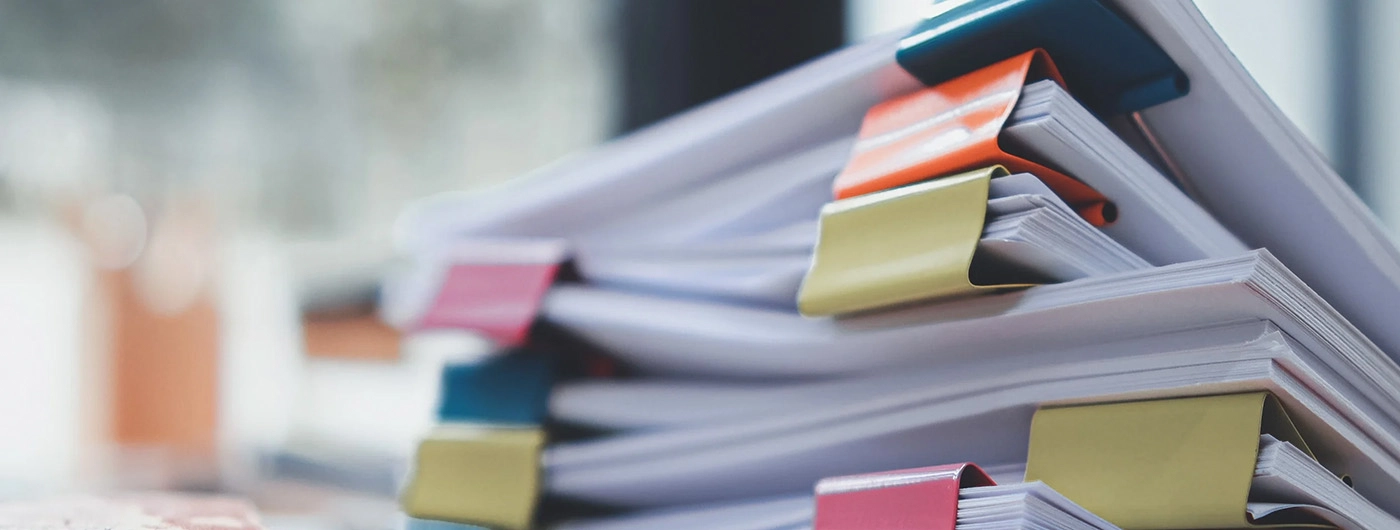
[821, 101]
[1261, 177]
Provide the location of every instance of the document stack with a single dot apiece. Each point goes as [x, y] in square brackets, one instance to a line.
[1029, 264]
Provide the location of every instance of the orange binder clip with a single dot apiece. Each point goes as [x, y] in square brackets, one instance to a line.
[954, 127]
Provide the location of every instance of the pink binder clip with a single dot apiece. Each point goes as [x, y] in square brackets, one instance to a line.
[495, 288]
[923, 498]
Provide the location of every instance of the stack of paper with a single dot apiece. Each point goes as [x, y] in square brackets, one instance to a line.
[1068, 240]
[1297, 490]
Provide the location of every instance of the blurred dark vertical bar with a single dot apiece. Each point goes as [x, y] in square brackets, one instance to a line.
[676, 54]
[1346, 93]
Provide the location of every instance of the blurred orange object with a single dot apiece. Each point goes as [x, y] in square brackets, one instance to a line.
[154, 285]
[165, 370]
[361, 337]
[165, 339]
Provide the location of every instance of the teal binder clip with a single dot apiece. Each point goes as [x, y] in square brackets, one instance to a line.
[511, 388]
[1108, 63]
[412, 523]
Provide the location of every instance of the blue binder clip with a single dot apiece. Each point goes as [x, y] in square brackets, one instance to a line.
[1109, 64]
[411, 523]
[510, 388]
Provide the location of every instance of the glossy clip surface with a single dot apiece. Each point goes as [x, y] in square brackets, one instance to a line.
[955, 127]
[897, 246]
[1168, 463]
[924, 498]
[1110, 65]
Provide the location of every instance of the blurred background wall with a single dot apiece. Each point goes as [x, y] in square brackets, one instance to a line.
[222, 178]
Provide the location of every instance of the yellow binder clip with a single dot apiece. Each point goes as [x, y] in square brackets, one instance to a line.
[1168, 463]
[488, 476]
[901, 245]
